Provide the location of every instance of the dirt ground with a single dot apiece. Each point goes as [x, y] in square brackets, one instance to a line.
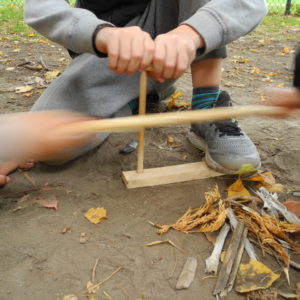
[41, 256]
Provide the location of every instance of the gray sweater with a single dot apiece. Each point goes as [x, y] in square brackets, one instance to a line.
[219, 22]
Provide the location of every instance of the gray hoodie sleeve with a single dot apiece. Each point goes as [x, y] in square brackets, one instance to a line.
[70, 27]
[220, 22]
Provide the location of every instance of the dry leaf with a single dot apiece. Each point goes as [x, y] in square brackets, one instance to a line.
[280, 85]
[211, 236]
[293, 206]
[66, 229]
[27, 95]
[17, 50]
[285, 50]
[177, 95]
[1, 53]
[254, 276]
[83, 238]
[52, 74]
[10, 68]
[170, 140]
[70, 297]
[96, 215]
[237, 188]
[255, 71]
[23, 89]
[50, 202]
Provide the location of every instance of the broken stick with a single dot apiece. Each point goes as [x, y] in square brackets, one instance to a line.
[212, 262]
[188, 274]
[229, 259]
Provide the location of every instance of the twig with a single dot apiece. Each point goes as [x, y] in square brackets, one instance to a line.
[125, 293]
[96, 286]
[237, 262]
[212, 262]
[32, 68]
[165, 242]
[108, 295]
[233, 222]
[187, 275]
[229, 259]
[30, 180]
[43, 63]
[94, 269]
[26, 62]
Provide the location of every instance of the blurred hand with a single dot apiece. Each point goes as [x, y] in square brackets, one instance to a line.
[288, 98]
[174, 52]
[31, 135]
[129, 49]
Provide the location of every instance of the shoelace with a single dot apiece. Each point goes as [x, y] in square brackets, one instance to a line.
[229, 128]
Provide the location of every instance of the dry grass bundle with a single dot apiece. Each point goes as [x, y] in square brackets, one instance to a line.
[205, 218]
[262, 232]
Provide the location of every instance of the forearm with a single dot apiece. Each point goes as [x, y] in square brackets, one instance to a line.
[220, 22]
[70, 27]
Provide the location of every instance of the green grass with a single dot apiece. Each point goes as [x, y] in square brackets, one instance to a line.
[273, 26]
[11, 20]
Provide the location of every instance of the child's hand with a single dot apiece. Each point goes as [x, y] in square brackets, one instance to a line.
[32, 135]
[287, 97]
[129, 49]
[174, 52]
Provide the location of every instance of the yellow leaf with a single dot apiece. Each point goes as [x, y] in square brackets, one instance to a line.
[24, 89]
[267, 79]
[31, 34]
[27, 95]
[229, 84]
[285, 50]
[52, 74]
[237, 188]
[96, 215]
[16, 50]
[254, 276]
[42, 41]
[244, 61]
[253, 50]
[280, 85]
[265, 178]
[177, 95]
[255, 71]
[40, 67]
[70, 297]
[10, 69]
[1, 53]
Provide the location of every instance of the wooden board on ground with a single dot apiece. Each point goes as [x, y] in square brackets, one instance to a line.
[166, 175]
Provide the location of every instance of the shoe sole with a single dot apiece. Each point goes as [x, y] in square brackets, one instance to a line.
[199, 143]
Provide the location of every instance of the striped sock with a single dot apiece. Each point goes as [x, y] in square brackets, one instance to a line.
[205, 97]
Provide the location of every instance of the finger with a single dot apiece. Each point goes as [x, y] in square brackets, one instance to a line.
[170, 62]
[137, 49]
[182, 64]
[125, 54]
[113, 48]
[148, 54]
[158, 59]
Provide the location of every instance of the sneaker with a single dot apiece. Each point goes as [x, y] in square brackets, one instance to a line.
[227, 148]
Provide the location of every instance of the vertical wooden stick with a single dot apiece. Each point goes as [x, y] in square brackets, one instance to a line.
[142, 111]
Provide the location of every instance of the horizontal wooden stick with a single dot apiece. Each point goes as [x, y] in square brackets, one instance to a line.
[136, 123]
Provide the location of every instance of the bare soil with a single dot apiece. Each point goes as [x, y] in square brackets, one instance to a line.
[41, 256]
